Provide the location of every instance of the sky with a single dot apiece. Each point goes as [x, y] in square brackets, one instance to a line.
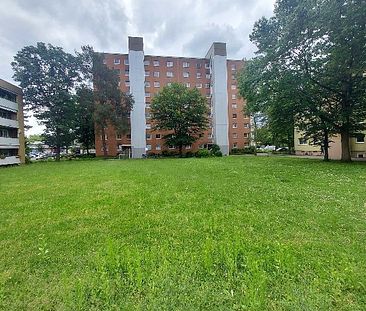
[169, 27]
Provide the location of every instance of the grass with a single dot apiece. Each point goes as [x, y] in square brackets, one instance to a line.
[235, 233]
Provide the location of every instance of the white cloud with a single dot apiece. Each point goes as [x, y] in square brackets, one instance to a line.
[185, 27]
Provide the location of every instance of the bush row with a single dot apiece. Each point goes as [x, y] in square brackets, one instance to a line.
[202, 153]
[246, 150]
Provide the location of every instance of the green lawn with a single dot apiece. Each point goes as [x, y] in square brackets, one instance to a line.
[234, 233]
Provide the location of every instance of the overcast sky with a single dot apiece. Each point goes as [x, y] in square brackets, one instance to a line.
[169, 27]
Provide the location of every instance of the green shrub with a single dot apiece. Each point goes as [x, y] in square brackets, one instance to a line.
[203, 153]
[217, 154]
[169, 153]
[189, 154]
[215, 148]
[246, 150]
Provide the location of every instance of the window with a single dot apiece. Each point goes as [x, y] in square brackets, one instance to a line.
[119, 83]
[235, 145]
[185, 74]
[246, 135]
[169, 64]
[158, 136]
[235, 115]
[233, 87]
[199, 85]
[147, 84]
[187, 84]
[127, 73]
[189, 147]
[246, 125]
[147, 105]
[207, 85]
[198, 75]
[303, 141]
[128, 136]
[207, 66]
[127, 83]
[233, 77]
[118, 136]
[156, 84]
[234, 106]
[146, 62]
[235, 135]
[156, 74]
[171, 147]
[147, 115]
[4, 133]
[148, 136]
[158, 147]
[208, 76]
[246, 116]
[8, 114]
[235, 125]
[360, 138]
[233, 96]
[148, 126]
[125, 61]
[148, 147]
[116, 61]
[233, 67]
[147, 94]
[156, 63]
[185, 64]
[147, 73]
[169, 74]
[104, 61]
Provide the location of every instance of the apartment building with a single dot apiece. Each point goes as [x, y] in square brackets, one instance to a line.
[11, 124]
[304, 146]
[145, 75]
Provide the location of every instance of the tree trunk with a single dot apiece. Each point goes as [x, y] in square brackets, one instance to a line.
[58, 151]
[180, 151]
[105, 153]
[326, 146]
[346, 152]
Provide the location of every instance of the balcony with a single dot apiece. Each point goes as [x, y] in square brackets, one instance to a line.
[9, 123]
[10, 161]
[9, 142]
[8, 105]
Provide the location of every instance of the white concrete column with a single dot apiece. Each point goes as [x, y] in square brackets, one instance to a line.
[219, 100]
[137, 89]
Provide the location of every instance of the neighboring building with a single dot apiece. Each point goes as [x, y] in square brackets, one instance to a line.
[145, 75]
[305, 147]
[11, 124]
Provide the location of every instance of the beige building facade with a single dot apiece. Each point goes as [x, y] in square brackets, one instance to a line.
[12, 142]
[305, 147]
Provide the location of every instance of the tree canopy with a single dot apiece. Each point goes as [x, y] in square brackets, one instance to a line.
[181, 111]
[112, 107]
[48, 76]
[311, 63]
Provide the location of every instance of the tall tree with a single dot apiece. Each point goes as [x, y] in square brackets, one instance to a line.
[84, 132]
[181, 111]
[48, 76]
[311, 48]
[112, 107]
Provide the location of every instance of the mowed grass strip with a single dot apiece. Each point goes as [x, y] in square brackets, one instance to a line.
[234, 233]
